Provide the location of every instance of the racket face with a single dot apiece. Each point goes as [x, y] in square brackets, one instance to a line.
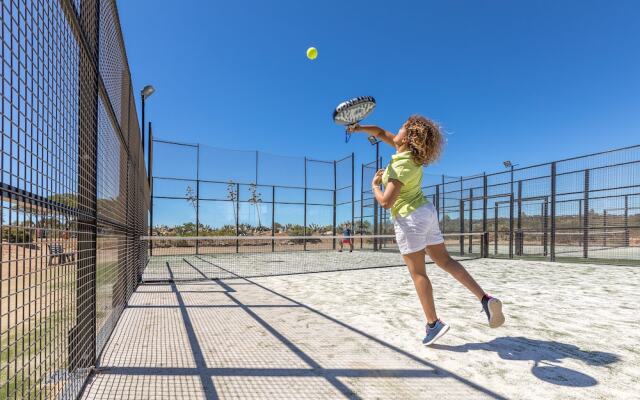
[354, 110]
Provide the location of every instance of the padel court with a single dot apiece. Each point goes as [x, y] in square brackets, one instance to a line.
[139, 266]
[356, 334]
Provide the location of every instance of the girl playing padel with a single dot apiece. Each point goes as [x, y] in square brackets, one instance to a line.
[415, 220]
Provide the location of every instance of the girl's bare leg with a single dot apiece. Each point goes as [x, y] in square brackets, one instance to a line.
[491, 306]
[416, 265]
[441, 257]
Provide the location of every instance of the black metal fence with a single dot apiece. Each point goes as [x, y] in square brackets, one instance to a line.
[577, 209]
[582, 208]
[199, 190]
[74, 192]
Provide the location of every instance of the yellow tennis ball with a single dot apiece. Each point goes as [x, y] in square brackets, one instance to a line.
[312, 53]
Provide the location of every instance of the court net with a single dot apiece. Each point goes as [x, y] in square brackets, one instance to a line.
[205, 258]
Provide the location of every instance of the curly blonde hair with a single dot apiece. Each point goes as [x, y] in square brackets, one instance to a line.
[425, 139]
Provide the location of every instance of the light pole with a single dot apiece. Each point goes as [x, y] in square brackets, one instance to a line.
[375, 142]
[144, 93]
[508, 164]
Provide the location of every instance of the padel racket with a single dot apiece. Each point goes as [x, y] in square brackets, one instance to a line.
[353, 111]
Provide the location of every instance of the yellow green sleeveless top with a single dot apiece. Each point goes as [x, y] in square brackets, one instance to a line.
[403, 169]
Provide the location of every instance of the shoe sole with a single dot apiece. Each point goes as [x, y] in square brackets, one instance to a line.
[495, 310]
[438, 336]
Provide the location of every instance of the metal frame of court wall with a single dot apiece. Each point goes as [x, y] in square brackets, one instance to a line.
[584, 208]
[339, 193]
[74, 192]
[579, 209]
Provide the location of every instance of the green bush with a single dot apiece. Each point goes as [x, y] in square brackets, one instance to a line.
[295, 230]
[16, 235]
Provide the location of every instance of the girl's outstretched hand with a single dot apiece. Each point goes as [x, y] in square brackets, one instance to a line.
[354, 128]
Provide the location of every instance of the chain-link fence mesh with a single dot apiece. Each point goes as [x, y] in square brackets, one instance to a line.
[74, 195]
[249, 193]
[580, 209]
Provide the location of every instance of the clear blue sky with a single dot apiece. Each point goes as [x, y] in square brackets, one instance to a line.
[527, 81]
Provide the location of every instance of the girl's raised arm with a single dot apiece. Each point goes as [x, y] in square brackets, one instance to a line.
[375, 131]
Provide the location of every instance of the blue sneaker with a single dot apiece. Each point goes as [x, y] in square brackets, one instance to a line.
[435, 333]
[493, 308]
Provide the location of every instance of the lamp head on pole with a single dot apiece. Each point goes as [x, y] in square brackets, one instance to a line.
[147, 91]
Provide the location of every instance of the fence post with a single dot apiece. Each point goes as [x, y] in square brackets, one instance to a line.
[82, 336]
[437, 200]
[495, 230]
[361, 203]
[380, 212]
[375, 224]
[376, 211]
[519, 235]
[304, 229]
[353, 193]
[150, 188]
[443, 206]
[273, 218]
[335, 188]
[470, 220]
[545, 226]
[461, 217]
[237, 217]
[197, 197]
[485, 234]
[553, 211]
[381, 215]
[626, 220]
[511, 217]
[461, 226]
[585, 226]
[580, 221]
[604, 233]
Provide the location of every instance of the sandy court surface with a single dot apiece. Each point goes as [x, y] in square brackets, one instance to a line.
[356, 334]
[559, 340]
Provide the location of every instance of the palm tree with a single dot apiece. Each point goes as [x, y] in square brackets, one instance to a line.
[255, 199]
[192, 198]
[232, 195]
[314, 228]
